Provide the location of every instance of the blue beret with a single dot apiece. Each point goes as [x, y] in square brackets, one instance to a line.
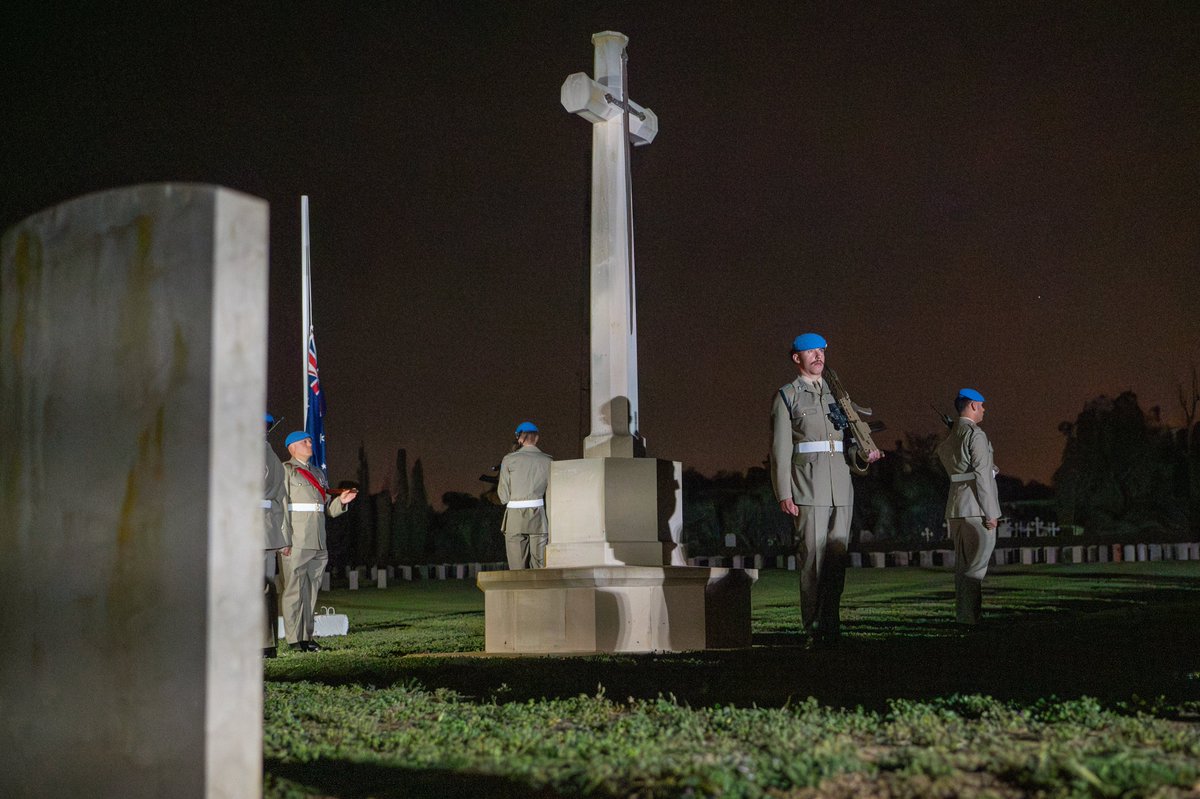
[292, 438]
[808, 341]
[970, 394]
[270, 419]
[526, 427]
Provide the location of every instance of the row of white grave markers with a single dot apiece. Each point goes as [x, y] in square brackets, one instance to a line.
[1007, 529]
[435, 571]
[1034, 529]
[1095, 553]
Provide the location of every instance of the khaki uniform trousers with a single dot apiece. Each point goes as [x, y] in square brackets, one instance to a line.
[822, 543]
[973, 545]
[270, 558]
[302, 571]
[525, 550]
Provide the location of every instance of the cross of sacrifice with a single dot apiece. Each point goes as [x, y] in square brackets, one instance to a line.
[617, 123]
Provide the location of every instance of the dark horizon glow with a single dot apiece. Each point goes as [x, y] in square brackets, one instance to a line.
[998, 197]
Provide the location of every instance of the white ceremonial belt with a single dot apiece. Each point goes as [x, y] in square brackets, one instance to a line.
[266, 503]
[315, 507]
[527, 503]
[962, 478]
[818, 446]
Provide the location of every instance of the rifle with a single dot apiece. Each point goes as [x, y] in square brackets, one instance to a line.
[494, 479]
[945, 417]
[844, 414]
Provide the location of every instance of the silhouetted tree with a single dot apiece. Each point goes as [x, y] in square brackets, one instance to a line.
[420, 514]
[1120, 472]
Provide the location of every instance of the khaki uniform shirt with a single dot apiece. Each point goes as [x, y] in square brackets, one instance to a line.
[308, 527]
[524, 474]
[966, 455]
[801, 413]
[278, 526]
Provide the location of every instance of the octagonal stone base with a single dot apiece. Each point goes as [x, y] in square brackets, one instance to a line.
[616, 609]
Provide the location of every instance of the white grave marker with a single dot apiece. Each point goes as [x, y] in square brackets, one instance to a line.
[133, 334]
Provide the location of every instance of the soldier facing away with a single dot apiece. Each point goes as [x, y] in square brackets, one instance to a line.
[811, 476]
[278, 532]
[524, 475]
[973, 506]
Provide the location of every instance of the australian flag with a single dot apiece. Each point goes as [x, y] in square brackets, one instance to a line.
[314, 425]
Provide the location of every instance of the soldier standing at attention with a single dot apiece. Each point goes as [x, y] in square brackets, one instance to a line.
[524, 473]
[973, 507]
[307, 497]
[278, 534]
[811, 477]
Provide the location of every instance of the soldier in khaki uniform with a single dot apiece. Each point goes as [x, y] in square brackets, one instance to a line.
[278, 532]
[973, 507]
[524, 474]
[307, 497]
[811, 478]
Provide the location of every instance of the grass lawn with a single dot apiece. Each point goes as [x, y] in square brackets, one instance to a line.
[1085, 681]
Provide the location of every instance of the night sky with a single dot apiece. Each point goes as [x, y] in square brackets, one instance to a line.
[1000, 196]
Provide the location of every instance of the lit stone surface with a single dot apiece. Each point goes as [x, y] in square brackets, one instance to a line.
[616, 609]
[613, 372]
[616, 578]
[132, 362]
[604, 511]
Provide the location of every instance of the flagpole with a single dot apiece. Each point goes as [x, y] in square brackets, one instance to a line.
[305, 299]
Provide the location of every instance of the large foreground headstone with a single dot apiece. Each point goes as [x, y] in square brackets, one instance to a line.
[132, 362]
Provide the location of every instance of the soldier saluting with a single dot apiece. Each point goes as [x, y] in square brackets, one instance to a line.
[973, 507]
[308, 502]
[811, 476]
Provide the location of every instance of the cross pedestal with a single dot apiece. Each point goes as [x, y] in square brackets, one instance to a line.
[616, 578]
[615, 512]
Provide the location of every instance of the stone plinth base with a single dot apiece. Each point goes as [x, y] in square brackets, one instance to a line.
[615, 512]
[616, 609]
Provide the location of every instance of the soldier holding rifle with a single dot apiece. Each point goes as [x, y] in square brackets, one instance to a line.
[811, 455]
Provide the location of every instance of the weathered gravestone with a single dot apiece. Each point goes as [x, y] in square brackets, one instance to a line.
[132, 363]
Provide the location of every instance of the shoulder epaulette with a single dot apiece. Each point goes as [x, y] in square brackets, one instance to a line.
[783, 395]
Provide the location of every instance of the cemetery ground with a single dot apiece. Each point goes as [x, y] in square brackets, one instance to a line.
[1085, 681]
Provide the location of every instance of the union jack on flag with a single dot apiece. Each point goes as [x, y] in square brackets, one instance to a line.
[314, 425]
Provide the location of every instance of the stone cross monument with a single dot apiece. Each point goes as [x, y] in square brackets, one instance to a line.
[616, 124]
[615, 579]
